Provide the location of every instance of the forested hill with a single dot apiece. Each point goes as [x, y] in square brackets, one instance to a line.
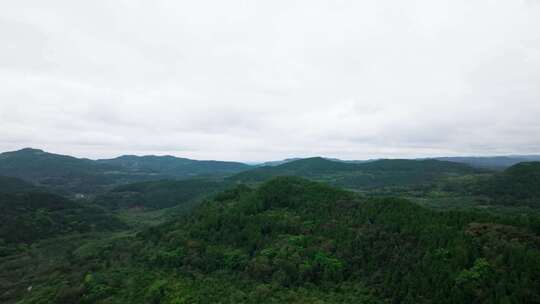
[36, 165]
[517, 185]
[68, 175]
[385, 172]
[296, 241]
[29, 216]
[175, 166]
[61, 173]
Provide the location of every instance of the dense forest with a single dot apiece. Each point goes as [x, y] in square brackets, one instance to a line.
[310, 230]
[159, 194]
[290, 240]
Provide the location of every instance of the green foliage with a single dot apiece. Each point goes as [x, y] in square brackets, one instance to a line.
[476, 274]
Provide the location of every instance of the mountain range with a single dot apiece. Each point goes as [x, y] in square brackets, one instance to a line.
[163, 229]
[68, 175]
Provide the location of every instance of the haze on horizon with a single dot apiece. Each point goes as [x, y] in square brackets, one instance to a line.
[265, 80]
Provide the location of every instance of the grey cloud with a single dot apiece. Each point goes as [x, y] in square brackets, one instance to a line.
[261, 80]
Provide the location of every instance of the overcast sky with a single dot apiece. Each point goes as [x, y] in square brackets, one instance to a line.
[259, 80]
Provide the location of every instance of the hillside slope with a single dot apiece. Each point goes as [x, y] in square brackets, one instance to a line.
[12, 184]
[29, 216]
[517, 185]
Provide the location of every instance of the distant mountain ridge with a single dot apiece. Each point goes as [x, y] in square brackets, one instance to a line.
[175, 166]
[62, 173]
[485, 162]
[277, 162]
[66, 174]
[288, 160]
[388, 172]
[31, 164]
[491, 162]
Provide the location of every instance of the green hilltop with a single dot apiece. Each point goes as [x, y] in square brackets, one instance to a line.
[385, 172]
[517, 185]
[296, 241]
